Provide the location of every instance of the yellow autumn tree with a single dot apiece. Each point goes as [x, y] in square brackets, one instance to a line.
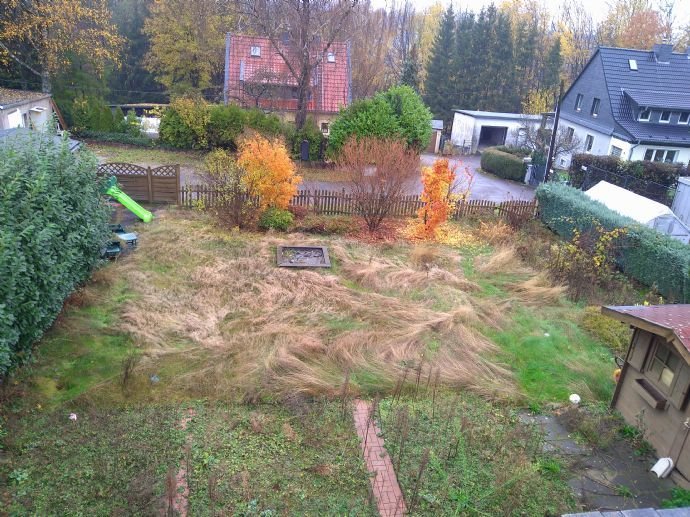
[187, 39]
[270, 172]
[41, 36]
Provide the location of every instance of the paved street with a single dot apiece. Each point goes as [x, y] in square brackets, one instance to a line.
[484, 186]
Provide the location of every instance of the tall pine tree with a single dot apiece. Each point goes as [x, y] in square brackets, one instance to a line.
[439, 74]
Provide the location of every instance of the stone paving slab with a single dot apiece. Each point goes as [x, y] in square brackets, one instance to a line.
[384, 482]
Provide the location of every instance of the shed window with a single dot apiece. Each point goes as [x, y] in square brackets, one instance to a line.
[664, 365]
[578, 102]
[595, 107]
[645, 114]
[665, 117]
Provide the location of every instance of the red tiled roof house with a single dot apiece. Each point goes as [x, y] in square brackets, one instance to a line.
[257, 76]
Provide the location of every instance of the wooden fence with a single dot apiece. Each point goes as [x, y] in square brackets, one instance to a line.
[342, 202]
[153, 185]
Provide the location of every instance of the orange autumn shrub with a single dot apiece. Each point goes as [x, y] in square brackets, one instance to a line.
[437, 196]
[270, 172]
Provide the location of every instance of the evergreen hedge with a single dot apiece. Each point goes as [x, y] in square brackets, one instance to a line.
[648, 256]
[503, 165]
[54, 224]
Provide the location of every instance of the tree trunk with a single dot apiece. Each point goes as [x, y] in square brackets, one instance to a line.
[46, 86]
[302, 97]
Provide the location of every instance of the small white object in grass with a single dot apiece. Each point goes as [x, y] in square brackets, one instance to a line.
[574, 399]
[73, 417]
[546, 334]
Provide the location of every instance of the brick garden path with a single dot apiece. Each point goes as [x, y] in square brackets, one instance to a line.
[384, 483]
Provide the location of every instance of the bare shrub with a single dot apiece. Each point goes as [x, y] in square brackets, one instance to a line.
[378, 171]
[233, 206]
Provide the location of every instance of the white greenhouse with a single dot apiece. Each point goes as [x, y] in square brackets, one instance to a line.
[643, 210]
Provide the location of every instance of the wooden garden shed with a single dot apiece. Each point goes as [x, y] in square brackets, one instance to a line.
[652, 391]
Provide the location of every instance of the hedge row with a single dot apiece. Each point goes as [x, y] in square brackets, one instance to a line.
[54, 224]
[648, 256]
[658, 172]
[121, 138]
[503, 165]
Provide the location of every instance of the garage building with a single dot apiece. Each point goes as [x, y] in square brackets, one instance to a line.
[476, 130]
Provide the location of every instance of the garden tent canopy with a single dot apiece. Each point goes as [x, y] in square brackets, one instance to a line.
[628, 203]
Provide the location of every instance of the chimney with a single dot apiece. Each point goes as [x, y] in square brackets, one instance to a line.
[663, 52]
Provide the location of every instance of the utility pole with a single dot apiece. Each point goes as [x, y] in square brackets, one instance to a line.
[549, 160]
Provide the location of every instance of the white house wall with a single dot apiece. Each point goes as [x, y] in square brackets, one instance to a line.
[601, 145]
[22, 116]
[682, 153]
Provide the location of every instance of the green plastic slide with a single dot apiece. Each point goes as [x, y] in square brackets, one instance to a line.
[115, 192]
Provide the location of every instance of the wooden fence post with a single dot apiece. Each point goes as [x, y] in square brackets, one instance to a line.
[149, 178]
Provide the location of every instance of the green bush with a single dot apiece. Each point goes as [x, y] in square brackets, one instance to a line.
[396, 113]
[663, 173]
[275, 219]
[131, 124]
[54, 224]
[311, 133]
[122, 138]
[503, 165]
[225, 126]
[520, 152]
[266, 124]
[648, 256]
[614, 334]
[412, 115]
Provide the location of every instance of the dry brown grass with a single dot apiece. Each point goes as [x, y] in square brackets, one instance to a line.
[243, 327]
[504, 260]
[539, 289]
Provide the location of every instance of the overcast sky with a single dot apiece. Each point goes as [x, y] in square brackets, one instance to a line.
[682, 10]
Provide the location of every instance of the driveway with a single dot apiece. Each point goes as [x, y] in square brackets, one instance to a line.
[485, 186]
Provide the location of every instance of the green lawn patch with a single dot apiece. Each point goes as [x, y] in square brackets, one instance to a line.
[460, 455]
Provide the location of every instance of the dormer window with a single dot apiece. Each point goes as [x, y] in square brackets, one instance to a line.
[255, 51]
[684, 117]
[665, 117]
[330, 57]
[578, 102]
[645, 114]
[595, 107]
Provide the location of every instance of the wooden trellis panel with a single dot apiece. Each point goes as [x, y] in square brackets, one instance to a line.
[153, 185]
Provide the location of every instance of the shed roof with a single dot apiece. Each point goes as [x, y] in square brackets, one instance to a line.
[669, 321]
[496, 114]
[10, 98]
[626, 203]
[20, 136]
[437, 124]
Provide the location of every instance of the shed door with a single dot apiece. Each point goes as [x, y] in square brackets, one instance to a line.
[680, 449]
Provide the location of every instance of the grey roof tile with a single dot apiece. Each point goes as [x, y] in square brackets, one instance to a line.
[645, 83]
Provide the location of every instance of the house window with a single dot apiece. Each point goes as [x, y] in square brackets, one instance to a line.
[665, 117]
[595, 107]
[663, 366]
[645, 113]
[324, 127]
[569, 134]
[589, 142]
[293, 92]
[255, 51]
[330, 57]
[684, 117]
[616, 151]
[660, 155]
[578, 102]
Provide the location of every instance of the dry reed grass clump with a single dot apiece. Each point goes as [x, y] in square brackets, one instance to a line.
[237, 325]
[496, 232]
[539, 289]
[504, 260]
